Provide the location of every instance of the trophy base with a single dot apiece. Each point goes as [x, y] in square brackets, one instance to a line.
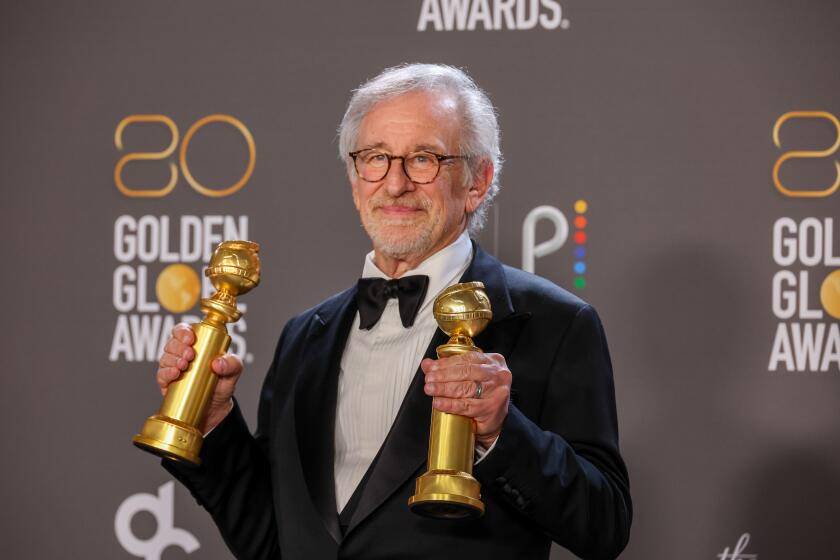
[170, 439]
[447, 495]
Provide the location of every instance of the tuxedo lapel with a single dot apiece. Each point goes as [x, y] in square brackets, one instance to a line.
[316, 399]
[501, 334]
[406, 447]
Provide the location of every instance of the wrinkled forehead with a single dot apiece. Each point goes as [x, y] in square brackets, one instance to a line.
[411, 119]
[438, 101]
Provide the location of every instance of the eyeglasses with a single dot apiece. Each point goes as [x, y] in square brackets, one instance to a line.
[420, 167]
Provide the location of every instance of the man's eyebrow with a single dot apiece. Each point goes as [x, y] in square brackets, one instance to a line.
[428, 148]
[374, 146]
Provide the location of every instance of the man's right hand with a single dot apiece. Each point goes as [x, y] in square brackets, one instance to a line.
[176, 358]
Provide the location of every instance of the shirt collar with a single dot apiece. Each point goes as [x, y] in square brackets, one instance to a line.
[444, 268]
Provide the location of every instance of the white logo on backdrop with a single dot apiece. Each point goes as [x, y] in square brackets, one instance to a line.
[806, 295]
[738, 553]
[488, 15]
[158, 282]
[162, 507]
[531, 251]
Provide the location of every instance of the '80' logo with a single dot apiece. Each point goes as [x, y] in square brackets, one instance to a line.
[182, 156]
[806, 154]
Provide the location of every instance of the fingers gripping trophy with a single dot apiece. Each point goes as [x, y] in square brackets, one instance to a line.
[234, 270]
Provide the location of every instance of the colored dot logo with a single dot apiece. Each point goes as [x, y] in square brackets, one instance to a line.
[178, 288]
[580, 243]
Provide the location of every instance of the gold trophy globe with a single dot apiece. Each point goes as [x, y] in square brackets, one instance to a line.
[234, 270]
[448, 490]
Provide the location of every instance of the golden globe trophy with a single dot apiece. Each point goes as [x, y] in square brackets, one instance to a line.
[448, 490]
[234, 270]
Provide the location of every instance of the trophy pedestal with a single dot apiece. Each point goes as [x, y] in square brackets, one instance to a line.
[447, 495]
[170, 438]
[172, 432]
[448, 490]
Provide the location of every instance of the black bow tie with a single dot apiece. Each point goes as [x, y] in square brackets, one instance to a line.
[373, 294]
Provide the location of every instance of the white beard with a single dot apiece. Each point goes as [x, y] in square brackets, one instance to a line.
[399, 237]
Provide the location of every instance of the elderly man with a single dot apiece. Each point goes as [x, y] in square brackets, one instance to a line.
[344, 412]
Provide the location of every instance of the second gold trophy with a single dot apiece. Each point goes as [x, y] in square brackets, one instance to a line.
[448, 490]
[173, 433]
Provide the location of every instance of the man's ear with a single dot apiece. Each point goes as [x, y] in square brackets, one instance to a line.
[481, 181]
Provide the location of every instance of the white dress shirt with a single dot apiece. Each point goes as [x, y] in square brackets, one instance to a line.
[379, 364]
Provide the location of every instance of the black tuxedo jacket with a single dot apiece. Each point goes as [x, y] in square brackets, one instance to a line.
[555, 473]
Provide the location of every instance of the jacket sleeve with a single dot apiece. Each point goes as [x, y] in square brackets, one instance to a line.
[562, 470]
[233, 482]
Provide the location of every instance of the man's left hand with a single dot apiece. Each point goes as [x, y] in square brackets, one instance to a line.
[454, 382]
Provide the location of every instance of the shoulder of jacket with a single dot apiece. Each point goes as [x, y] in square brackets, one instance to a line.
[529, 292]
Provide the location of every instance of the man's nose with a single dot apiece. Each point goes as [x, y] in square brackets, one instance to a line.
[396, 181]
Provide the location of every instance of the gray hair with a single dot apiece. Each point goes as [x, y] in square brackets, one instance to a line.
[480, 127]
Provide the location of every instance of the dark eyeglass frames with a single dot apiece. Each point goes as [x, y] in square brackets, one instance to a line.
[421, 167]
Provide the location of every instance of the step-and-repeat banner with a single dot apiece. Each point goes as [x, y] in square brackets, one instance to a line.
[673, 163]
